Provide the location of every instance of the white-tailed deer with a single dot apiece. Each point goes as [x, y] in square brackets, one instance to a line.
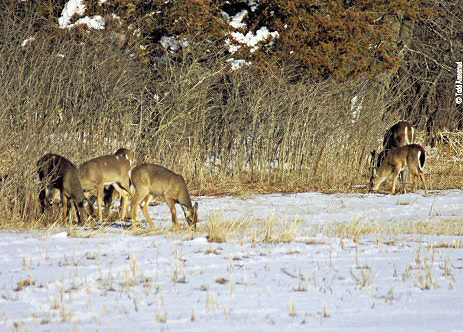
[110, 169]
[58, 173]
[400, 134]
[151, 179]
[412, 156]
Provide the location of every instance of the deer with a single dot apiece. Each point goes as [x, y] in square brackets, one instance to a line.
[111, 169]
[412, 156]
[400, 134]
[152, 179]
[56, 173]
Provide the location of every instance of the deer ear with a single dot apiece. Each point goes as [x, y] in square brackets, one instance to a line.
[196, 206]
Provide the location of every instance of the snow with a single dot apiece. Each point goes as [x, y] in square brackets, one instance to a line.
[356, 107]
[172, 43]
[77, 8]
[238, 63]
[236, 21]
[72, 7]
[252, 39]
[95, 22]
[249, 39]
[113, 280]
[27, 41]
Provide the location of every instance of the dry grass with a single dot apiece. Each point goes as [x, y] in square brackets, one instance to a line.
[355, 230]
[274, 232]
[219, 232]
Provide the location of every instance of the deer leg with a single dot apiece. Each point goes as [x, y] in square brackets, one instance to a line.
[144, 208]
[44, 204]
[82, 209]
[424, 184]
[415, 182]
[90, 201]
[133, 208]
[64, 201]
[173, 212]
[42, 196]
[403, 177]
[99, 199]
[124, 200]
[136, 200]
[378, 182]
[395, 175]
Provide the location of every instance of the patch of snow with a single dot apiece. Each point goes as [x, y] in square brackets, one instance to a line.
[236, 21]
[71, 8]
[172, 43]
[253, 5]
[238, 63]
[96, 22]
[61, 235]
[77, 8]
[356, 107]
[232, 48]
[251, 39]
[27, 41]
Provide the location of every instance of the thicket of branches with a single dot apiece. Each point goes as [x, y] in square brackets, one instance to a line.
[410, 47]
[282, 124]
[424, 86]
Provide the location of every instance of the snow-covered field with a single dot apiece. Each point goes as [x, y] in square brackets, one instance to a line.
[114, 281]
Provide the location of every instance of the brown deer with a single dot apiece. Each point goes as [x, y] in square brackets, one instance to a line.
[58, 173]
[110, 169]
[412, 156]
[400, 134]
[151, 179]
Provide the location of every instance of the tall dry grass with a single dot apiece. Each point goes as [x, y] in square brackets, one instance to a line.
[66, 93]
[221, 127]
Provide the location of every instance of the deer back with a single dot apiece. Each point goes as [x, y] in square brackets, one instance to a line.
[416, 156]
[400, 134]
[161, 181]
[104, 169]
[58, 172]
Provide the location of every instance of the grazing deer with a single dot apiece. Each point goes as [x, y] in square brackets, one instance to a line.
[58, 173]
[149, 180]
[400, 134]
[412, 156]
[110, 169]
